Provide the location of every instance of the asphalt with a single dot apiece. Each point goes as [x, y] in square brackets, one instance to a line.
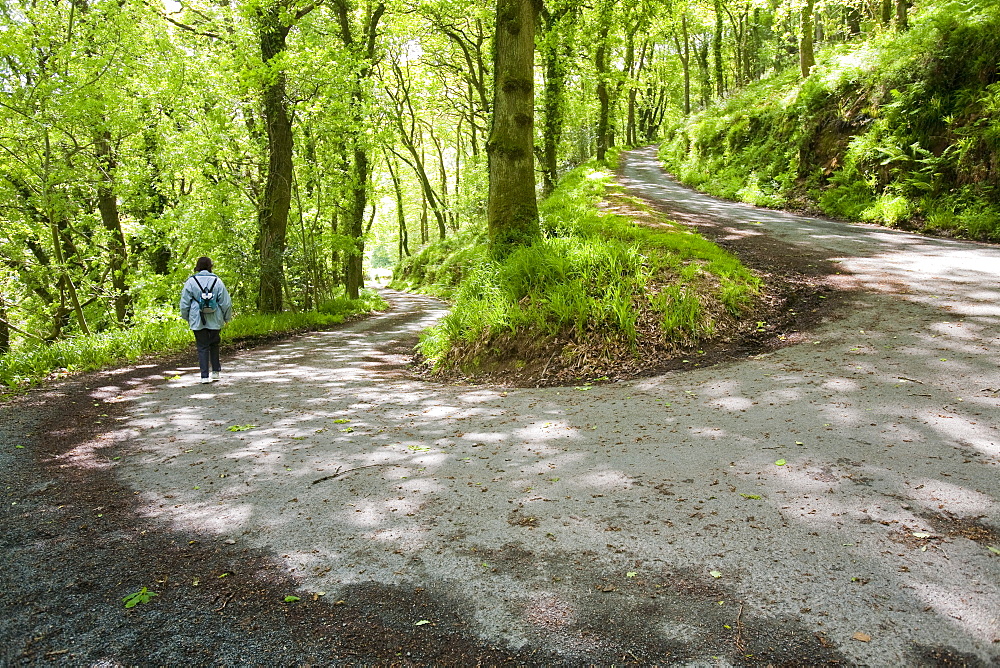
[834, 500]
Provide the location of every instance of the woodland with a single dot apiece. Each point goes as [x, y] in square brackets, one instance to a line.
[303, 144]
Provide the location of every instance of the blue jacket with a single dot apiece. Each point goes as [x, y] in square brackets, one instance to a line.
[190, 294]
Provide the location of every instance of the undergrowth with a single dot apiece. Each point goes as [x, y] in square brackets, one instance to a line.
[160, 333]
[596, 290]
[901, 129]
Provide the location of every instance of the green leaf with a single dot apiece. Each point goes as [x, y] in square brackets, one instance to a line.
[422, 622]
[715, 574]
[241, 427]
[292, 599]
[144, 595]
[631, 574]
[751, 496]
[341, 421]
[780, 462]
[992, 549]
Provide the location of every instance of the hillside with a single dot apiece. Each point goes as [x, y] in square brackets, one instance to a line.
[899, 129]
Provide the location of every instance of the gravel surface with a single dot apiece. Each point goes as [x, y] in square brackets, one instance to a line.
[832, 501]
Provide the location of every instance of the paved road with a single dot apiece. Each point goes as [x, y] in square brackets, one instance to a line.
[834, 499]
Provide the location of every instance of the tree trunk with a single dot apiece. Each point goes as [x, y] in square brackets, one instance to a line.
[336, 263]
[720, 82]
[554, 101]
[512, 211]
[806, 57]
[601, 67]
[59, 238]
[424, 227]
[412, 138]
[158, 254]
[363, 52]
[400, 212]
[902, 6]
[853, 19]
[4, 327]
[272, 216]
[445, 220]
[887, 13]
[701, 54]
[107, 204]
[684, 53]
[356, 223]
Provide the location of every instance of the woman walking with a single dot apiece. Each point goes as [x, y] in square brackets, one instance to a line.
[207, 307]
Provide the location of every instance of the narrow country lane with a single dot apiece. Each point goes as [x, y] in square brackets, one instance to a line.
[833, 500]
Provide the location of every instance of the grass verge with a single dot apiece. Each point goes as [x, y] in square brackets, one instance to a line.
[161, 333]
[598, 296]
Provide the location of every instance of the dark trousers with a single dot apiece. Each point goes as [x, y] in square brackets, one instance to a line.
[208, 350]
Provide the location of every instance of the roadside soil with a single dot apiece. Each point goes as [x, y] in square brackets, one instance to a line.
[824, 495]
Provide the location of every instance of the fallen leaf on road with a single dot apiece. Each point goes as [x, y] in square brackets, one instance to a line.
[863, 637]
[780, 462]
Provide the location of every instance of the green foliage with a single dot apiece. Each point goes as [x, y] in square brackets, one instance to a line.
[144, 595]
[596, 276]
[900, 129]
[440, 267]
[159, 333]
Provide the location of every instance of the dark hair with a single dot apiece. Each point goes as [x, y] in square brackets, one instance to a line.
[203, 264]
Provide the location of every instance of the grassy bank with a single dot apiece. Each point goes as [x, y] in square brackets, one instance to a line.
[597, 294]
[160, 333]
[900, 130]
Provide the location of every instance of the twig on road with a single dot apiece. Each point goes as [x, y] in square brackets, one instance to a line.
[739, 631]
[338, 472]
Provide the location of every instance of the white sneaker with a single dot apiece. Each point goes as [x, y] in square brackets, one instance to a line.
[206, 380]
[215, 375]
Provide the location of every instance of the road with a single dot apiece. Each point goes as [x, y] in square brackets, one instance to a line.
[832, 500]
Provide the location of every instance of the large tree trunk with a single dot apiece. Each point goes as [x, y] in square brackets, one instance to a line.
[807, 58]
[272, 217]
[512, 211]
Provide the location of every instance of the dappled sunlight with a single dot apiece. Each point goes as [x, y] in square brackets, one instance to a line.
[804, 476]
[937, 495]
[973, 610]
